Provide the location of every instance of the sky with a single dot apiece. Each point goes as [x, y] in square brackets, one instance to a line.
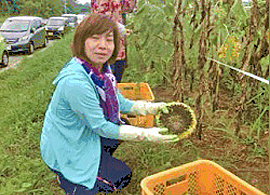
[83, 1]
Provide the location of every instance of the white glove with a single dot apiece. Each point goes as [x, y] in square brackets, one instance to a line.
[144, 108]
[132, 133]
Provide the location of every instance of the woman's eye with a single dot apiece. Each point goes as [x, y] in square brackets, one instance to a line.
[95, 37]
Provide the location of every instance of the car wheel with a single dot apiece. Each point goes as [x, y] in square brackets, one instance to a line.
[30, 49]
[45, 44]
[5, 59]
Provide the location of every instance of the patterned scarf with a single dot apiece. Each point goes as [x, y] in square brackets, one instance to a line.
[105, 84]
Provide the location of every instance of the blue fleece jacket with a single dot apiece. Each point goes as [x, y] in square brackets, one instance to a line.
[73, 124]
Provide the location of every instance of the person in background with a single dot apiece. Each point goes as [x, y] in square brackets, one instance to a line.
[115, 10]
[82, 126]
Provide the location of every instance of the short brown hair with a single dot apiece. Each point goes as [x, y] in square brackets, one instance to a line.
[94, 24]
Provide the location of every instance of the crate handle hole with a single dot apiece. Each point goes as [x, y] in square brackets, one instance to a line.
[131, 116]
[128, 88]
[176, 180]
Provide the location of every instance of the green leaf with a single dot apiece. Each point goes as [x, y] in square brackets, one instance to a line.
[237, 11]
[141, 10]
[26, 185]
[169, 9]
[20, 190]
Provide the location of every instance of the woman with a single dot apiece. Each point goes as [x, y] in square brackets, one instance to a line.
[82, 127]
[115, 9]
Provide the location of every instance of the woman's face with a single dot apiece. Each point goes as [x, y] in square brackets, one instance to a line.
[99, 48]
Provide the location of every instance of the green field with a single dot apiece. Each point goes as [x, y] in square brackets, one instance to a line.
[25, 93]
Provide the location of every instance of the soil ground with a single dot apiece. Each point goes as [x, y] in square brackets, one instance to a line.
[243, 159]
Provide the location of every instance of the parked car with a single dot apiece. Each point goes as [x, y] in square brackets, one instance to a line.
[45, 21]
[72, 19]
[80, 17]
[4, 60]
[56, 27]
[24, 33]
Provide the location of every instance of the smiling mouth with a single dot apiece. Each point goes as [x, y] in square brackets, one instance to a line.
[101, 54]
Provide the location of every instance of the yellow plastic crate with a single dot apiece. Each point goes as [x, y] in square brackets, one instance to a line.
[201, 177]
[137, 91]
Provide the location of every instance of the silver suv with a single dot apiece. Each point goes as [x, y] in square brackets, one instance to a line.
[24, 33]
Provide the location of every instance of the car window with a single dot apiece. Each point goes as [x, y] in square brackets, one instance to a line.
[35, 24]
[71, 19]
[55, 22]
[15, 25]
[38, 23]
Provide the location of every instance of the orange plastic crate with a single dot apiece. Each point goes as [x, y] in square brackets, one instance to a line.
[201, 177]
[137, 91]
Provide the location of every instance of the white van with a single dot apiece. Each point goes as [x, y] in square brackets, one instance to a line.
[72, 19]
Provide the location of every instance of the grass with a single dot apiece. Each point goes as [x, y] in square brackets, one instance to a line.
[149, 158]
[25, 93]
[2, 18]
